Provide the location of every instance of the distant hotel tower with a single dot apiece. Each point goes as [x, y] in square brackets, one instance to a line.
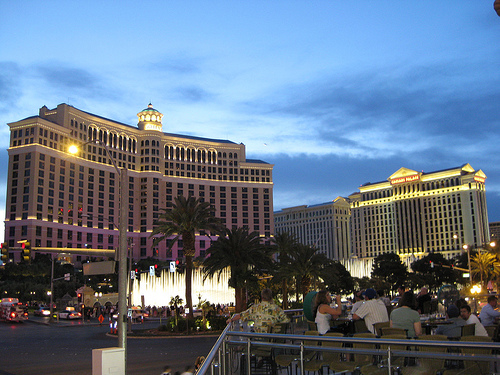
[415, 213]
[411, 213]
[325, 226]
[56, 199]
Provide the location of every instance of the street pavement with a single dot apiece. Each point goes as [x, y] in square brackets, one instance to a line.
[65, 347]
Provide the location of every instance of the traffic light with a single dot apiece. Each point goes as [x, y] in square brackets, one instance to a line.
[157, 271]
[5, 252]
[26, 251]
[79, 295]
[432, 264]
[137, 274]
[179, 266]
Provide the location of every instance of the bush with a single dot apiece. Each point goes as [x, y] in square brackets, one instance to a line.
[217, 323]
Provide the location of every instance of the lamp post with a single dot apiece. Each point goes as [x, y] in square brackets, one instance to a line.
[467, 248]
[122, 250]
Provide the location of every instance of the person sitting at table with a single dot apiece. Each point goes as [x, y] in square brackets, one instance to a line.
[358, 298]
[323, 312]
[406, 317]
[465, 313]
[372, 311]
[489, 314]
[453, 329]
[381, 296]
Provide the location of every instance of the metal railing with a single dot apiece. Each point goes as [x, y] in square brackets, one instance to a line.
[234, 348]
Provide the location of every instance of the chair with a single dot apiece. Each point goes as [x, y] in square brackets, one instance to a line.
[492, 332]
[395, 361]
[469, 330]
[392, 331]
[329, 357]
[282, 360]
[266, 354]
[358, 360]
[311, 325]
[360, 326]
[428, 365]
[472, 367]
[312, 360]
[377, 327]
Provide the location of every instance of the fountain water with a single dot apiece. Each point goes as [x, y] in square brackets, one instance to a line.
[158, 291]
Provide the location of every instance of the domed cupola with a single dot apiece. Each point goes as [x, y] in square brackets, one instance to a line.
[150, 119]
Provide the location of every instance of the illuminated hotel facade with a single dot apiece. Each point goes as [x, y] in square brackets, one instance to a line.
[324, 226]
[56, 199]
[411, 213]
[415, 213]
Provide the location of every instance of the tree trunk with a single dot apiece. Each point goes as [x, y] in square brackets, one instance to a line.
[284, 291]
[189, 278]
[239, 295]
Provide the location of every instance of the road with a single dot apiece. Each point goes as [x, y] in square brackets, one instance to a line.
[33, 349]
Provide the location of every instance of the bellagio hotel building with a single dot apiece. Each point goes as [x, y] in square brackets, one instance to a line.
[57, 199]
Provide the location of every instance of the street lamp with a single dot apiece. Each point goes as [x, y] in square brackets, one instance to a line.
[467, 248]
[122, 249]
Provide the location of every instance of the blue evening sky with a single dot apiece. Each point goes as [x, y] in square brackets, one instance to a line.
[333, 93]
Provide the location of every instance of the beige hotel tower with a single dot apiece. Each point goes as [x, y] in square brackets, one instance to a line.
[411, 213]
[56, 199]
[415, 213]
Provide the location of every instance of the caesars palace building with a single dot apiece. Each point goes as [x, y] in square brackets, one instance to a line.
[411, 213]
[57, 199]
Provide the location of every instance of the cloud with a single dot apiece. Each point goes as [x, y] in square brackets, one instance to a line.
[10, 85]
[74, 81]
[192, 94]
[434, 109]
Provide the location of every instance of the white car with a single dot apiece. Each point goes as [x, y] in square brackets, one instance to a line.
[69, 314]
[42, 311]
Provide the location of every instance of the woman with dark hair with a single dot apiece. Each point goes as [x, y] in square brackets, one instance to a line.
[323, 312]
[406, 316]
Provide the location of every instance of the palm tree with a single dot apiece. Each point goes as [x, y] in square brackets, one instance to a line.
[244, 254]
[305, 264]
[187, 217]
[283, 243]
[175, 303]
[485, 264]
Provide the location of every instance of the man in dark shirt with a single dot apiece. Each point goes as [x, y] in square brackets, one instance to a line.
[423, 297]
[455, 328]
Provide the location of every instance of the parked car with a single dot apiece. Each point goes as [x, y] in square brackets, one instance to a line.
[395, 301]
[42, 311]
[69, 314]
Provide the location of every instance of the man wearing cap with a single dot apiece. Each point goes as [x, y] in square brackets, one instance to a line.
[372, 311]
[455, 328]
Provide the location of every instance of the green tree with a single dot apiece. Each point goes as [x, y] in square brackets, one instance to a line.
[389, 267]
[283, 243]
[187, 217]
[175, 304]
[305, 264]
[435, 270]
[336, 278]
[244, 254]
[486, 265]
